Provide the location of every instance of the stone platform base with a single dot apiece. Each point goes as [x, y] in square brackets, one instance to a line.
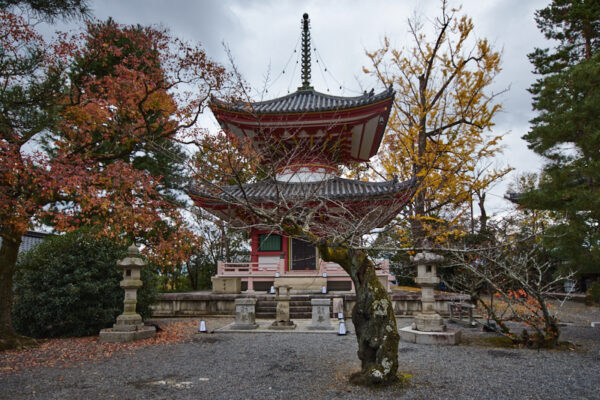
[226, 285]
[196, 304]
[111, 336]
[448, 337]
[300, 285]
[243, 327]
[302, 327]
[320, 328]
[282, 327]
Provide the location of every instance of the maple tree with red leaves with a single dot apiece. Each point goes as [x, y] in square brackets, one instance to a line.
[76, 118]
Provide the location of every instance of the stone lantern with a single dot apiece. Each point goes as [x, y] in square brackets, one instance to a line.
[282, 321]
[428, 320]
[428, 327]
[129, 325]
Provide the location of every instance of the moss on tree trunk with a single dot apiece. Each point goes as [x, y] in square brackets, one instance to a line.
[373, 318]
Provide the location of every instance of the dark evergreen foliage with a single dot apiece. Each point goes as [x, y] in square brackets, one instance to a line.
[566, 130]
[69, 286]
[51, 9]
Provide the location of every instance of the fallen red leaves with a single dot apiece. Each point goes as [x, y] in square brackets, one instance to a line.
[65, 352]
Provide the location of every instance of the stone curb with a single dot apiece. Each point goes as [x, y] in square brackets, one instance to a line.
[302, 326]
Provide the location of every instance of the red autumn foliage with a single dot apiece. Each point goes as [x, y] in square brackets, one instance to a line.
[93, 100]
[66, 352]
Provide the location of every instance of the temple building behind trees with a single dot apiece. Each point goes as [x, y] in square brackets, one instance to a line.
[304, 139]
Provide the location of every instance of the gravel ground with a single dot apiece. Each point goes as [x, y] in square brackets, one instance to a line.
[314, 366]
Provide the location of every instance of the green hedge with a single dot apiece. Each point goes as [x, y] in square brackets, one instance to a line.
[592, 296]
[69, 286]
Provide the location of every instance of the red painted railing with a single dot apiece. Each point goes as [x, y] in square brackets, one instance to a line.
[249, 268]
[261, 271]
[263, 268]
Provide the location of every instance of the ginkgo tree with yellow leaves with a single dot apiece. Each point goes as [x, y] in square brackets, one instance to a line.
[440, 126]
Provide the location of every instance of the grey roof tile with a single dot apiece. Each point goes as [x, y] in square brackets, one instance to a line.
[305, 101]
[333, 189]
[29, 240]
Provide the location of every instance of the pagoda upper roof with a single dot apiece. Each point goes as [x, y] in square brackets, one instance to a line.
[303, 101]
[334, 189]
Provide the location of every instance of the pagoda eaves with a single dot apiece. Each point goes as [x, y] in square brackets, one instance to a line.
[358, 197]
[302, 138]
[349, 129]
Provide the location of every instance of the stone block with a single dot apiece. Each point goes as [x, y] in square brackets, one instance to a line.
[428, 280]
[449, 337]
[432, 322]
[245, 314]
[113, 336]
[384, 281]
[226, 285]
[282, 326]
[282, 318]
[301, 284]
[338, 305]
[128, 322]
[321, 319]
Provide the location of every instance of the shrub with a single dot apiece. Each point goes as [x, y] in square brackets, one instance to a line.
[69, 286]
[592, 296]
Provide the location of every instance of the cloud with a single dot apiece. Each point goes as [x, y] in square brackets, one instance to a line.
[266, 33]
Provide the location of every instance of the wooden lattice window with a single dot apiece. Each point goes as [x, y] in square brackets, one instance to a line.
[269, 242]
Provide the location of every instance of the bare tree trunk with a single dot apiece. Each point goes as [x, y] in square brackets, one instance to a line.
[193, 275]
[483, 217]
[227, 248]
[417, 223]
[9, 251]
[373, 318]
[503, 329]
[551, 331]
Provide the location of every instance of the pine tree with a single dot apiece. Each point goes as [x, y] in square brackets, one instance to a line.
[566, 130]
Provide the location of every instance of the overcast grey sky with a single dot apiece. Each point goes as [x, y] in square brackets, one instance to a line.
[264, 33]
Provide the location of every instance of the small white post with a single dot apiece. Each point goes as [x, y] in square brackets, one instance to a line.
[342, 330]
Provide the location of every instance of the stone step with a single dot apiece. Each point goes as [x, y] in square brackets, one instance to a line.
[297, 315]
[300, 308]
[292, 306]
[266, 306]
[300, 316]
[300, 302]
[273, 304]
[293, 310]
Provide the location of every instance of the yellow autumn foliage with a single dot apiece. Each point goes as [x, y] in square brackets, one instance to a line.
[439, 129]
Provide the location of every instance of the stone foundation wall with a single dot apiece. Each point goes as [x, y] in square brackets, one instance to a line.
[207, 303]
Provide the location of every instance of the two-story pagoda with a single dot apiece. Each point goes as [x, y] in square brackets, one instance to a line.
[305, 137]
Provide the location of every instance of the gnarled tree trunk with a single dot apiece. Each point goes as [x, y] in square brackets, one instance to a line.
[9, 251]
[373, 318]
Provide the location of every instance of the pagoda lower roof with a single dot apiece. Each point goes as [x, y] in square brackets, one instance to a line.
[335, 189]
[303, 101]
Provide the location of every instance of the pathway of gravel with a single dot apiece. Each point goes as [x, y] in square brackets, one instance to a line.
[312, 366]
